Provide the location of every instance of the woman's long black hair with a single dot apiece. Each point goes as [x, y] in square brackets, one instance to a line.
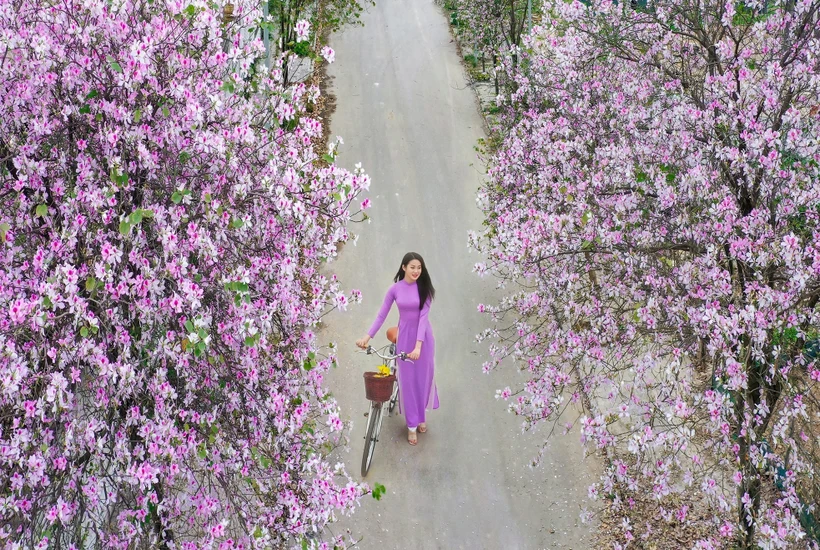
[424, 283]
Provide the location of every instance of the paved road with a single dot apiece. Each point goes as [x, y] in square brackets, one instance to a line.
[406, 114]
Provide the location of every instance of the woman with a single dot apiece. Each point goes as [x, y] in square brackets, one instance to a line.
[413, 293]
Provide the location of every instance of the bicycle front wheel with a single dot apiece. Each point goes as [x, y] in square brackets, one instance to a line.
[374, 423]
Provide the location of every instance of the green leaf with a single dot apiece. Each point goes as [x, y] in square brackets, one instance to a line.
[176, 198]
[47, 302]
[137, 116]
[113, 64]
[189, 326]
[84, 332]
[4, 229]
[228, 86]
[184, 156]
[136, 217]
[301, 49]
[257, 533]
[85, 109]
[90, 284]
[165, 111]
[328, 158]
[236, 223]
[125, 228]
[41, 211]
[378, 491]
[92, 94]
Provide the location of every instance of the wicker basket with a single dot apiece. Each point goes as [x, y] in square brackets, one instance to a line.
[378, 388]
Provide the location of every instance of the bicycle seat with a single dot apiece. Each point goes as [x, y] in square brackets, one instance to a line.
[392, 333]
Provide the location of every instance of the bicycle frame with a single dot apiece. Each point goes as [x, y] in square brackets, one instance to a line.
[375, 415]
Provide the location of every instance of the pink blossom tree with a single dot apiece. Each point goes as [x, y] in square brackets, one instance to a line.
[492, 27]
[656, 202]
[289, 22]
[164, 220]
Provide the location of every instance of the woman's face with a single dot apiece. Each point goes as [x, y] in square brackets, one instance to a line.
[413, 270]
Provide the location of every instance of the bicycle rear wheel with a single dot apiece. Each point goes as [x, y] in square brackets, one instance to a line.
[393, 399]
[374, 424]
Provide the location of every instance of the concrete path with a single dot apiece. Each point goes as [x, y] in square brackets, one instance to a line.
[406, 114]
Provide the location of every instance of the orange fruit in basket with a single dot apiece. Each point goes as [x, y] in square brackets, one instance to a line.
[392, 333]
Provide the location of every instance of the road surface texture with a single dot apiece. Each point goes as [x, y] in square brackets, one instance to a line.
[406, 113]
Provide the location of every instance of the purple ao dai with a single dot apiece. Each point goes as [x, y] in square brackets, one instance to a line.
[417, 386]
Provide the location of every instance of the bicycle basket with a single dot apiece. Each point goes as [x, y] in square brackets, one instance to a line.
[378, 388]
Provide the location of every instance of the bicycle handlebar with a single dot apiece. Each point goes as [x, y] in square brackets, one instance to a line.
[370, 350]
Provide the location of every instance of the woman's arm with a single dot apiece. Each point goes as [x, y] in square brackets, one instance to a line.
[421, 331]
[389, 298]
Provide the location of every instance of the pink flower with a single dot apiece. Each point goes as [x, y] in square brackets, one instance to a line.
[340, 300]
[302, 30]
[18, 311]
[146, 474]
[328, 53]
[110, 253]
[727, 530]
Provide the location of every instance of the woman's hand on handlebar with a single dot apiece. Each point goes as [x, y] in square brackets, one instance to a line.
[413, 355]
[363, 341]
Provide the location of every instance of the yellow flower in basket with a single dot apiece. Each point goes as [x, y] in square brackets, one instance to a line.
[384, 370]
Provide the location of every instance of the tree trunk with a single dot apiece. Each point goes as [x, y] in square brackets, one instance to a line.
[495, 73]
[750, 485]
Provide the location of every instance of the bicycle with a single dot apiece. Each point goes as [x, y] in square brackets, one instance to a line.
[375, 415]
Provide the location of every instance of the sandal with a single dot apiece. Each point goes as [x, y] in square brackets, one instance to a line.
[412, 439]
[422, 428]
